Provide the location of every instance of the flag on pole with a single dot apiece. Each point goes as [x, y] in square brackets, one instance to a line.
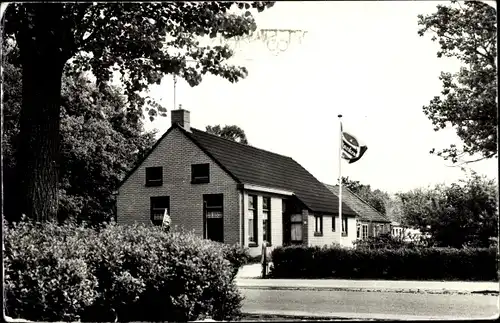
[351, 149]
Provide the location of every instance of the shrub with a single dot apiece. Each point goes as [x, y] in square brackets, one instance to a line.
[46, 276]
[136, 273]
[402, 263]
[236, 255]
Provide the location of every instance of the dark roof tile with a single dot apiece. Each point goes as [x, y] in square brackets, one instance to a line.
[363, 210]
[252, 165]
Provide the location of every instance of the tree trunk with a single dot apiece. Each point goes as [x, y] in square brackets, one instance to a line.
[43, 43]
[39, 138]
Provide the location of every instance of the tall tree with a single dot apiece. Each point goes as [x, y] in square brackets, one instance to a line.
[233, 133]
[99, 144]
[467, 32]
[464, 213]
[143, 41]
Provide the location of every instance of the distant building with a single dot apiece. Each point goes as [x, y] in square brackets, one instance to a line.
[406, 233]
[231, 192]
[369, 221]
[397, 230]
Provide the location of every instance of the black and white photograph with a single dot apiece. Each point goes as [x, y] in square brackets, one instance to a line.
[209, 161]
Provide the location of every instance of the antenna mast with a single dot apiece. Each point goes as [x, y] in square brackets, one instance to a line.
[175, 91]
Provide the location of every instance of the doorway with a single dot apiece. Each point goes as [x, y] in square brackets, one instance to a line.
[213, 217]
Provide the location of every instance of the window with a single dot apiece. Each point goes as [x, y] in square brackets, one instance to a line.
[266, 219]
[200, 173]
[344, 226]
[252, 219]
[334, 224]
[318, 225]
[159, 206]
[213, 217]
[358, 231]
[154, 176]
[296, 228]
[365, 231]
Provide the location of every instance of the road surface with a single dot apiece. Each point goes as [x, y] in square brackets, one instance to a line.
[366, 305]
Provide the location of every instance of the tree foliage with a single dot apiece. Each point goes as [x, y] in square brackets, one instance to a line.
[233, 133]
[464, 213]
[100, 142]
[375, 198]
[467, 32]
[141, 41]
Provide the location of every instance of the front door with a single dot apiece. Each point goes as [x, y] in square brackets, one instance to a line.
[296, 228]
[213, 217]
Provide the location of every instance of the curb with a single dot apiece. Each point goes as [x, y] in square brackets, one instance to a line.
[252, 317]
[387, 290]
[299, 315]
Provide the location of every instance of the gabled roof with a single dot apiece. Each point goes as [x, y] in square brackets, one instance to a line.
[364, 211]
[250, 165]
[256, 166]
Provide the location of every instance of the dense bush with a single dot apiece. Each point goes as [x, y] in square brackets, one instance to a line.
[236, 255]
[46, 275]
[136, 273]
[403, 263]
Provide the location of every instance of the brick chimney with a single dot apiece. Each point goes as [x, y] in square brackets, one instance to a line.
[181, 117]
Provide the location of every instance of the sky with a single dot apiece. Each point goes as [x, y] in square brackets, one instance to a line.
[363, 60]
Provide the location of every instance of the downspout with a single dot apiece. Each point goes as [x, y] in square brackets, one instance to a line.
[242, 216]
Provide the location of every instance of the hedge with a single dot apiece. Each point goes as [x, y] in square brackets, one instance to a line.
[471, 264]
[134, 273]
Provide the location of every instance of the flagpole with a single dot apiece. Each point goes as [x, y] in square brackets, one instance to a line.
[340, 179]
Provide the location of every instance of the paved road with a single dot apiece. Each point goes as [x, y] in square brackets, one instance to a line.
[366, 305]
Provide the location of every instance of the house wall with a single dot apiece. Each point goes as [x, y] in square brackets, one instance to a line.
[371, 225]
[276, 221]
[175, 153]
[329, 237]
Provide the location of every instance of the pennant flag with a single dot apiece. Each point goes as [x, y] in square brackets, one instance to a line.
[351, 149]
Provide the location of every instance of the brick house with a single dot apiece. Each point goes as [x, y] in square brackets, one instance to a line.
[230, 192]
[369, 221]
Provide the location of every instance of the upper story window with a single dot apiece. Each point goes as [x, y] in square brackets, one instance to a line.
[154, 176]
[200, 173]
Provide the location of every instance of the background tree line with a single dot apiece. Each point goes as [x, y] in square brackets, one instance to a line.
[456, 215]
